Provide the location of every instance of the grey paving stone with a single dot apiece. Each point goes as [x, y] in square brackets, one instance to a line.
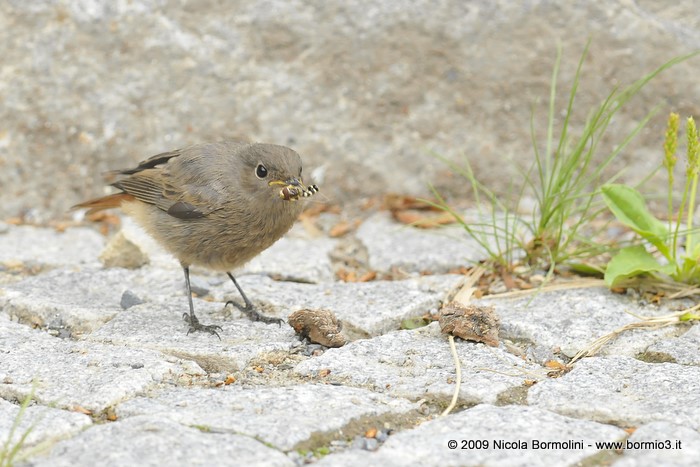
[47, 246]
[72, 374]
[366, 308]
[43, 425]
[154, 441]
[161, 327]
[83, 300]
[662, 436]
[682, 349]
[283, 417]
[417, 364]
[624, 391]
[571, 319]
[79, 301]
[427, 444]
[390, 244]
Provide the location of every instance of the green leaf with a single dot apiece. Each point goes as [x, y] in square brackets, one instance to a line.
[629, 207]
[586, 269]
[688, 263]
[689, 272]
[689, 317]
[414, 323]
[633, 261]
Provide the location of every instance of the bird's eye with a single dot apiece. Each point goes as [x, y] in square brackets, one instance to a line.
[261, 171]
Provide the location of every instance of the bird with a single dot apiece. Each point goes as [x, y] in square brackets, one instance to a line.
[215, 205]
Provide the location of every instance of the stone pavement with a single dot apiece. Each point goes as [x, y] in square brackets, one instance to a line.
[116, 380]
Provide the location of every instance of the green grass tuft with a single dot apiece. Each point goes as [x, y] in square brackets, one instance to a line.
[565, 179]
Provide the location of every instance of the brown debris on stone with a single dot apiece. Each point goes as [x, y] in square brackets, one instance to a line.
[470, 322]
[319, 326]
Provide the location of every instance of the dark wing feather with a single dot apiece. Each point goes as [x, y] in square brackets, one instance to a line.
[151, 162]
[183, 210]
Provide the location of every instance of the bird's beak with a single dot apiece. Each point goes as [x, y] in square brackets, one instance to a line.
[294, 182]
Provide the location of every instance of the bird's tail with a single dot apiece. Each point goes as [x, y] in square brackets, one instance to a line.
[106, 202]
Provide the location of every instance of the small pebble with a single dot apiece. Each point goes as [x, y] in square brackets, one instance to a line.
[129, 299]
[121, 252]
[358, 442]
[371, 444]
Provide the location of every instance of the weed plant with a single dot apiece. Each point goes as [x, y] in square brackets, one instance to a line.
[565, 179]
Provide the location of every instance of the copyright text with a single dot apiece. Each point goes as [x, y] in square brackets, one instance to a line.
[479, 444]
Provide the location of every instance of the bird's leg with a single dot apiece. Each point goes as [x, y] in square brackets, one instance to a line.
[190, 318]
[249, 309]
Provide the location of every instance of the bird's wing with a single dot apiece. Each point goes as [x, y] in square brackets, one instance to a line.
[154, 182]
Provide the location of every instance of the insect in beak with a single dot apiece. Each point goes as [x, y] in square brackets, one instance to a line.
[295, 189]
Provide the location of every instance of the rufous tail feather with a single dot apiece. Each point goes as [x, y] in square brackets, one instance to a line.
[106, 202]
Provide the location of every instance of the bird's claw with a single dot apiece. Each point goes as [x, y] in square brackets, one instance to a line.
[195, 325]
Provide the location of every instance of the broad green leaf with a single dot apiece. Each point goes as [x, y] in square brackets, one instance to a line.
[633, 261]
[629, 207]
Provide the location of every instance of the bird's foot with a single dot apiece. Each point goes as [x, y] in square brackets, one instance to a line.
[195, 325]
[254, 315]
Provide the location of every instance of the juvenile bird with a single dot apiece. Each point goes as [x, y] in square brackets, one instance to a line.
[215, 205]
